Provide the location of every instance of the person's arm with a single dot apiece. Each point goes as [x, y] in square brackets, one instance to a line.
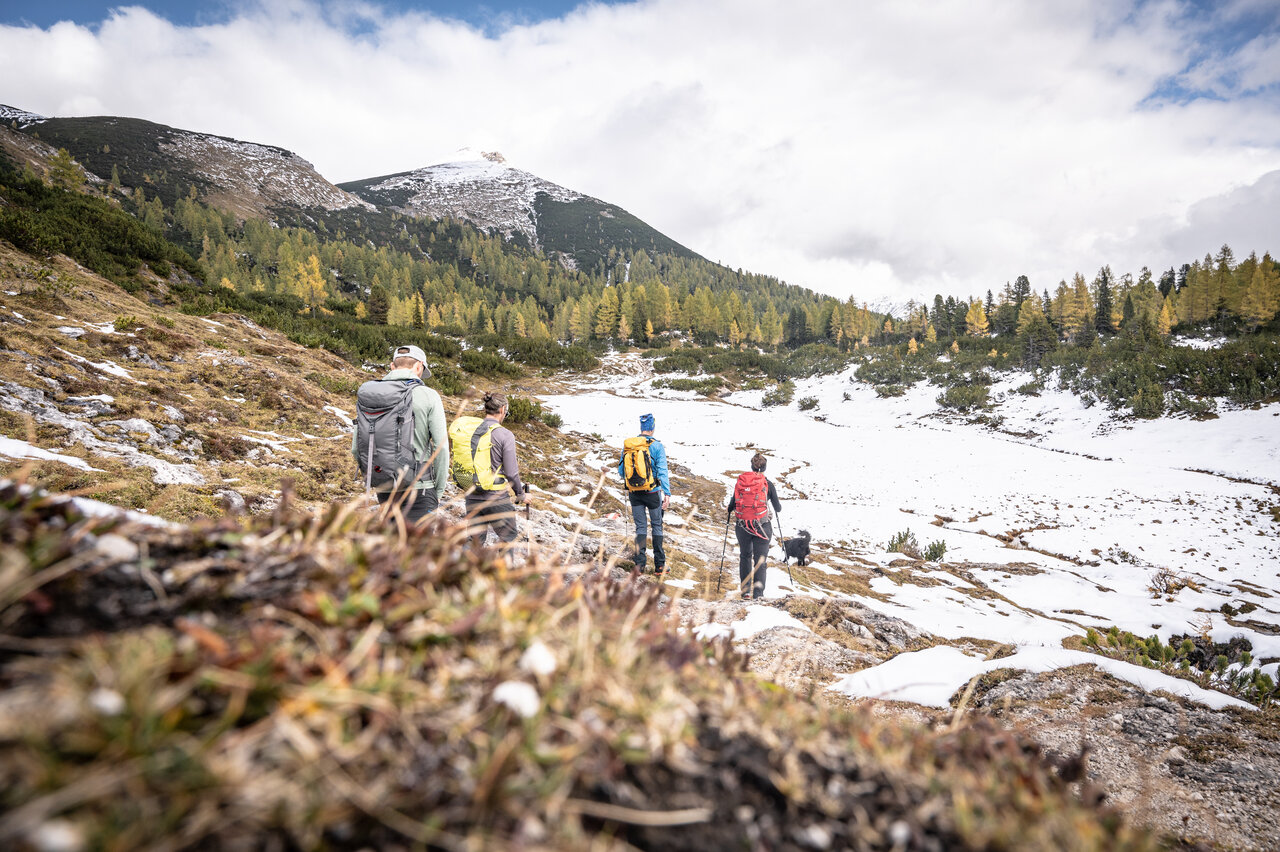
[355, 450]
[659, 455]
[505, 441]
[733, 500]
[773, 498]
[438, 432]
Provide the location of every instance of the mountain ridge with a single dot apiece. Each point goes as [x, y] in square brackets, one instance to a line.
[253, 179]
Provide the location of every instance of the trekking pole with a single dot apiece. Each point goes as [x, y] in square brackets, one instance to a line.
[723, 548]
[783, 541]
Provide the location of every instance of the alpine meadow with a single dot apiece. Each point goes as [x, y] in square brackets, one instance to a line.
[1021, 567]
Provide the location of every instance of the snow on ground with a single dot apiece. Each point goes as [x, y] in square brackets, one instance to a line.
[932, 676]
[1092, 507]
[15, 449]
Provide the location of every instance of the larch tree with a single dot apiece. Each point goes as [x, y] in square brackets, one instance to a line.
[1259, 306]
[975, 320]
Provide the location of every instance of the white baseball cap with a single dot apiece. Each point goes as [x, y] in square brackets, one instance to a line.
[414, 352]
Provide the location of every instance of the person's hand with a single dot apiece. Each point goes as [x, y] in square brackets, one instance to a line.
[666, 501]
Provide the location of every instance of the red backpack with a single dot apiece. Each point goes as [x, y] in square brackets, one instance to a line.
[750, 496]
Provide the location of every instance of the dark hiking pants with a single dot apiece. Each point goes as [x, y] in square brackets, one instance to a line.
[414, 504]
[500, 515]
[646, 510]
[753, 553]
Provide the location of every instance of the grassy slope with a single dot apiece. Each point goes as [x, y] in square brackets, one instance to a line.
[314, 680]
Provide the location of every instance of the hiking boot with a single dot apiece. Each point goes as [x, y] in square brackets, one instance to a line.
[661, 571]
[746, 596]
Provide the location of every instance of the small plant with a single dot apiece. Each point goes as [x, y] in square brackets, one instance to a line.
[808, 403]
[935, 551]
[1165, 582]
[886, 391]
[965, 397]
[780, 395]
[1031, 388]
[904, 543]
[555, 421]
[124, 323]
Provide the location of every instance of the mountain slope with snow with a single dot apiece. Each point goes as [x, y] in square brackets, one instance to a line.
[243, 178]
[481, 188]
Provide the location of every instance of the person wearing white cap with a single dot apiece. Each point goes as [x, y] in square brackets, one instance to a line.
[421, 494]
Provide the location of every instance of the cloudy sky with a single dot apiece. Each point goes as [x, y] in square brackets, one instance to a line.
[881, 149]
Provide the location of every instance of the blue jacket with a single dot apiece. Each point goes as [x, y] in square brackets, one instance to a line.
[658, 453]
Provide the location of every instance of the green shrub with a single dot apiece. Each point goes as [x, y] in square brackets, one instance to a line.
[965, 397]
[706, 387]
[904, 543]
[488, 364]
[935, 551]
[808, 403]
[521, 410]
[780, 395]
[447, 380]
[886, 391]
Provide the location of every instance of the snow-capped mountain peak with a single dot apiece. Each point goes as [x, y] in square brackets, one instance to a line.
[478, 186]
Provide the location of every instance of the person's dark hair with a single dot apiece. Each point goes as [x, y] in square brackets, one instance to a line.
[758, 462]
[494, 402]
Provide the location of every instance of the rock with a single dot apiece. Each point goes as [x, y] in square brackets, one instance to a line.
[231, 500]
[116, 548]
[1176, 756]
[94, 406]
[133, 353]
[894, 632]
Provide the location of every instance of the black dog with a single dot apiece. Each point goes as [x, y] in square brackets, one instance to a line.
[797, 547]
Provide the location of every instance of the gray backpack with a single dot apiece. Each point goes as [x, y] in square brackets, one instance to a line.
[384, 432]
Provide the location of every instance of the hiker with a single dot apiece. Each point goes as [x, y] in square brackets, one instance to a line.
[753, 528]
[407, 466]
[644, 472]
[485, 468]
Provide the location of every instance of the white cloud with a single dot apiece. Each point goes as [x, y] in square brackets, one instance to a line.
[874, 149]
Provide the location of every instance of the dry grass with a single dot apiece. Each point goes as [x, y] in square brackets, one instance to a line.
[312, 679]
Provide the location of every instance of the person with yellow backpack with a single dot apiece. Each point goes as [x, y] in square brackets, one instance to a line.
[643, 469]
[484, 466]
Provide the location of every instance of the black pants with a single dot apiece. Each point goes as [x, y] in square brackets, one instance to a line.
[500, 515]
[646, 511]
[415, 505]
[753, 552]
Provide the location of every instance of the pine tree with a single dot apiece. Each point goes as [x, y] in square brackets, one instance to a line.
[378, 305]
[65, 171]
[931, 334]
[1102, 301]
[1034, 332]
[975, 320]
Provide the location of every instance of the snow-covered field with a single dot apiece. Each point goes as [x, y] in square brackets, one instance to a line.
[1066, 521]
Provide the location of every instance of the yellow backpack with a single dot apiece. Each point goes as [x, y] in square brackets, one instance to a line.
[470, 461]
[637, 464]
